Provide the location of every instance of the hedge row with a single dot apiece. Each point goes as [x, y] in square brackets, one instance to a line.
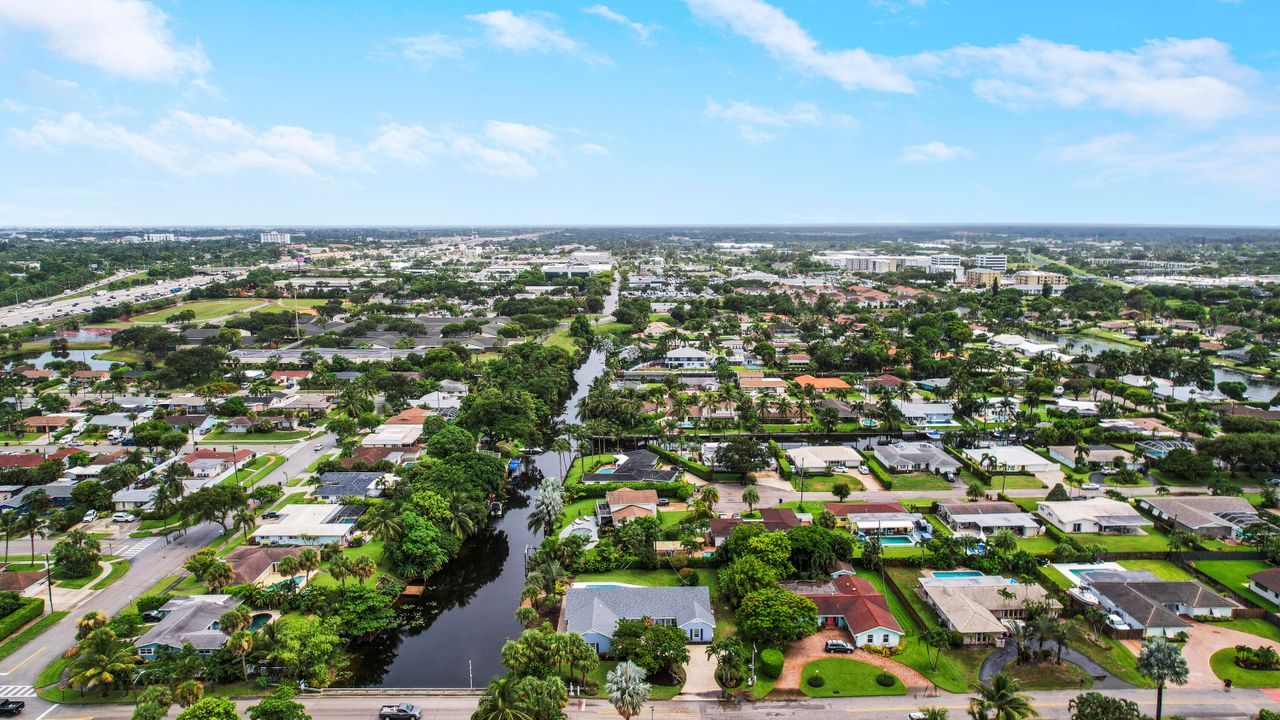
[881, 473]
[683, 463]
[784, 466]
[30, 609]
[675, 490]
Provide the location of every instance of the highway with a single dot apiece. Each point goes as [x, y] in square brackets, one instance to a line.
[52, 308]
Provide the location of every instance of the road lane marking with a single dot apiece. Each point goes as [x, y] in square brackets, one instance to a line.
[24, 662]
[46, 712]
[18, 691]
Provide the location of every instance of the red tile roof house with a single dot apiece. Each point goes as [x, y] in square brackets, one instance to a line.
[8, 461]
[89, 376]
[852, 603]
[885, 380]
[290, 376]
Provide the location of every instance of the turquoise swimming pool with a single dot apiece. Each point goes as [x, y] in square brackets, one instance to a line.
[896, 541]
[957, 574]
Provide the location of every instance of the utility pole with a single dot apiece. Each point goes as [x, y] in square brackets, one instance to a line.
[48, 580]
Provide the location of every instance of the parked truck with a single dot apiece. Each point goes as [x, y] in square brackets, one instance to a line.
[403, 711]
[9, 708]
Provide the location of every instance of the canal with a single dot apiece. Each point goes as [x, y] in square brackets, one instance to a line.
[452, 632]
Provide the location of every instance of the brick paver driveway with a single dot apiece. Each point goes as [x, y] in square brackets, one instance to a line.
[1205, 639]
[809, 649]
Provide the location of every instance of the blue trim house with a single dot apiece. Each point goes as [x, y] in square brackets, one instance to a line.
[594, 611]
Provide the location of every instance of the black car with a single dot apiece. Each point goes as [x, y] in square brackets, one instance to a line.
[664, 501]
[270, 515]
[9, 708]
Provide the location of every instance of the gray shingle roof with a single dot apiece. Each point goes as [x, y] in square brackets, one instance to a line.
[190, 619]
[598, 609]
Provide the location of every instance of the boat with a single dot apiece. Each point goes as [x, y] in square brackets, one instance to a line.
[513, 465]
[933, 435]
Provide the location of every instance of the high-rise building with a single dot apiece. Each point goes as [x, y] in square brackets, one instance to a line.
[274, 237]
[159, 237]
[999, 263]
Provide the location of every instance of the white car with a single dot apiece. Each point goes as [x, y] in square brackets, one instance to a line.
[123, 517]
[90, 516]
[1091, 486]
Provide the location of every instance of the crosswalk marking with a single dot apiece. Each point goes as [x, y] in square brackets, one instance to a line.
[17, 691]
[138, 547]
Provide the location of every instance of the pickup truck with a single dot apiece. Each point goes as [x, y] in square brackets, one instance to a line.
[9, 708]
[403, 711]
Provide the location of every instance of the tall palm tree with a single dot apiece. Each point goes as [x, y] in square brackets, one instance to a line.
[240, 644]
[340, 569]
[244, 520]
[750, 496]
[1000, 699]
[499, 701]
[364, 568]
[383, 522]
[561, 447]
[104, 662]
[711, 496]
[9, 523]
[308, 562]
[31, 525]
[89, 622]
[628, 692]
[1161, 662]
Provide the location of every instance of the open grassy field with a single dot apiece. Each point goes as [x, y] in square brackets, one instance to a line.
[1050, 676]
[205, 310]
[1162, 569]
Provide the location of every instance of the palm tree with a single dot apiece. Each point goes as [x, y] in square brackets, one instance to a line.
[561, 446]
[627, 689]
[240, 644]
[218, 575]
[9, 523]
[364, 568]
[340, 569]
[287, 566]
[1161, 662]
[308, 562]
[89, 622]
[581, 656]
[31, 525]
[103, 661]
[711, 496]
[188, 693]
[499, 701]
[244, 520]
[999, 700]
[460, 522]
[383, 522]
[235, 620]
[750, 496]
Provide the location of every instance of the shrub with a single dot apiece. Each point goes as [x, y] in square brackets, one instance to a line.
[884, 679]
[147, 603]
[1265, 714]
[816, 681]
[957, 640]
[688, 576]
[771, 663]
[1259, 658]
[28, 609]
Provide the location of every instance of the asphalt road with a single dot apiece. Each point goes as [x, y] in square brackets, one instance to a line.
[1189, 704]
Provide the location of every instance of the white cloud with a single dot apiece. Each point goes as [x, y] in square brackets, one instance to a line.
[504, 149]
[428, 48]
[531, 32]
[593, 149]
[758, 123]
[933, 152]
[1195, 80]
[786, 41]
[129, 38]
[1249, 162]
[48, 85]
[641, 30]
[188, 144]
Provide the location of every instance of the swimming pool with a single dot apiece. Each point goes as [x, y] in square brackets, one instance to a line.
[956, 573]
[605, 471]
[896, 540]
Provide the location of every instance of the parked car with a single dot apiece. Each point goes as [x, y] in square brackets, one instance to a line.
[270, 515]
[9, 708]
[90, 516]
[838, 646]
[664, 501]
[863, 469]
[403, 711]
[123, 517]
[1272, 482]
[1117, 622]
[1091, 486]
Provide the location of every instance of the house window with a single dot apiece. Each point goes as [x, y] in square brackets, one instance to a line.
[884, 640]
[695, 634]
[1075, 528]
[146, 651]
[870, 639]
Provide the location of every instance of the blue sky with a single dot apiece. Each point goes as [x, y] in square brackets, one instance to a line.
[638, 111]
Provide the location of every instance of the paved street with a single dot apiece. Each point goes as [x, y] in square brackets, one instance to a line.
[1184, 703]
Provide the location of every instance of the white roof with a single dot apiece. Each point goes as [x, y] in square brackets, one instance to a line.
[393, 435]
[304, 519]
[1070, 511]
[811, 455]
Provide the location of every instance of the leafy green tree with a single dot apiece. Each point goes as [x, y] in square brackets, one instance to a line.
[76, 555]
[841, 490]
[659, 649]
[1097, 706]
[210, 708]
[774, 616]
[742, 455]
[1058, 494]
[450, 441]
[872, 554]
[423, 548]
[745, 575]
[279, 705]
[1162, 663]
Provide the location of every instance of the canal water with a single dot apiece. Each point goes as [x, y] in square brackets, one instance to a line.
[454, 630]
[1257, 388]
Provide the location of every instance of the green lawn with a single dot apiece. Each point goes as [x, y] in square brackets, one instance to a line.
[824, 482]
[1057, 577]
[1235, 575]
[316, 465]
[8, 438]
[289, 499]
[1015, 482]
[204, 310]
[1224, 666]
[1153, 541]
[1107, 652]
[228, 438]
[573, 474]
[1253, 626]
[918, 482]
[118, 570]
[120, 356]
[843, 677]
[262, 466]
[1162, 569]
[1051, 676]
[574, 510]
[1038, 544]
[671, 518]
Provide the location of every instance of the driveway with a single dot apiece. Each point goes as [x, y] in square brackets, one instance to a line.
[804, 651]
[699, 676]
[1205, 639]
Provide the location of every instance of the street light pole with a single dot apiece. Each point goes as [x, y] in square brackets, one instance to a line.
[48, 580]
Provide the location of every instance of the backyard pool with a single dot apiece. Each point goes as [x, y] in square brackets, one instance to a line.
[606, 470]
[956, 573]
[603, 585]
[897, 541]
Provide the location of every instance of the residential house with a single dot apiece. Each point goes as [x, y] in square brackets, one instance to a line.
[1095, 456]
[336, 487]
[310, 524]
[926, 413]
[984, 519]
[9, 461]
[688, 358]
[393, 436]
[620, 506]
[881, 519]
[594, 612]
[638, 465]
[187, 619]
[1147, 603]
[852, 603]
[882, 381]
[1095, 515]
[822, 458]
[50, 423]
[821, 384]
[1267, 584]
[1219, 517]
[1160, 449]
[259, 565]
[1013, 458]
[979, 607]
[916, 457]
[844, 411]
